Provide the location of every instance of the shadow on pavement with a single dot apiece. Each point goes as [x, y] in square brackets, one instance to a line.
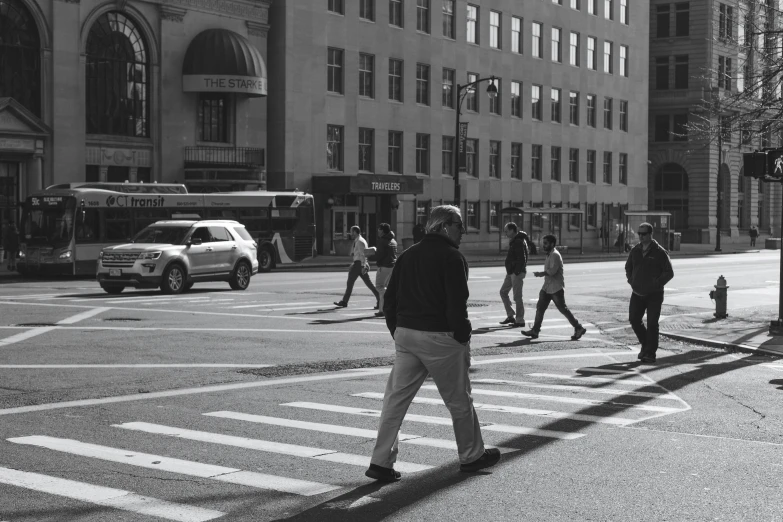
[777, 382]
[322, 322]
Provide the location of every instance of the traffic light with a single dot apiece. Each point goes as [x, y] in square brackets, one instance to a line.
[754, 164]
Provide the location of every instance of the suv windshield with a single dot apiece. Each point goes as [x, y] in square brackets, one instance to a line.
[163, 235]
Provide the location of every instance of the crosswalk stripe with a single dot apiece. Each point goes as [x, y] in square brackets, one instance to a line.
[591, 379]
[442, 421]
[265, 445]
[181, 467]
[565, 400]
[608, 370]
[339, 430]
[566, 387]
[103, 496]
[258, 305]
[617, 421]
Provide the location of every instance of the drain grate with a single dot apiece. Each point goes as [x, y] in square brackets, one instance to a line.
[476, 305]
[35, 325]
[122, 319]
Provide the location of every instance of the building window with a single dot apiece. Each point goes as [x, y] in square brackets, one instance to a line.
[555, 112]
[471, 161]
[494, 102]
[725, 130]
[516, 160]
[608, 167]
[423, 16]
[423, 211]
[395, 79]
[535, 162]
[117, 72]
[573, 108]
[334, 71]
[448, 88]
[395, 152]
[662, 21]
[591, 61]
[422, 84]
[624, 12]
[591, 166]
[624, 61]
[423, 154]
[608, 65]
[609, 9]
[471, 98]
[367, 75]
[591, 110]
[334, 147]
[366, 150]
[535, 98]
[591, 214]
[538, 43]
[623, 169]
[395, 13]
[662, 73]
[367, 10]
[608, 113]
[573, 165]
[472, 20]
[214, 117]
[682, 20]
[336, 6]
[680, 130]
[447, 156]
[20, 63]
[554, 162]
[661, 127]
[724, 72]
[495, 38]
[557, 51]
[516, 99]
[573, 54]
[448, 19]
[494, 215]
[575, 5]
[472, 211]
[591, 7]
[623, 115]
[725, 21]
[681, 72]
[516, 35]
[494, 159]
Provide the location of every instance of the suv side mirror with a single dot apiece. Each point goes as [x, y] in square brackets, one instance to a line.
[194, 241]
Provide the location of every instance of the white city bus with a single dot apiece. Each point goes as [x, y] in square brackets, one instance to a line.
[65, 226]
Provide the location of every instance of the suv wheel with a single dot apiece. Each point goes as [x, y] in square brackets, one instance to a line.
[113, 289]
[174, 280]
[187, 287]
[266, 259]
[240, 279]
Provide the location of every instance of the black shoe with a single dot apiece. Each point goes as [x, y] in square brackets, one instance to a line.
[579, 332]
[533, 334]
[379, 314]
[647, 358]
[519, 325]
[487, 460]
[375, 307]
[383, 474]
[509, 320]
[341, 304]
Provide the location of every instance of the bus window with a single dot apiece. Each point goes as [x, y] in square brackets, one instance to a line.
[222, 213]
[149, 216]
[284, 219]
[256, 220]
[117, 224]
[88, 228]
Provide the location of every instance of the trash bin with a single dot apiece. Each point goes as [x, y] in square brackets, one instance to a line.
[676, 238]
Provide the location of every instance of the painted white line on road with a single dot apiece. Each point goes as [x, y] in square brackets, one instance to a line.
[25, 335]
[108, 497]
[178, 466]
[609, 370]
[140, 365]
[544, 357]
[82, 316]
[292, 450]
[774, 367]
[439, 421]
[591, 379]
[565, 387]
[273, 304]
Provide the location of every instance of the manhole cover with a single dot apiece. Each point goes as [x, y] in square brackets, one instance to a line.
[122, 319]
[35, 324]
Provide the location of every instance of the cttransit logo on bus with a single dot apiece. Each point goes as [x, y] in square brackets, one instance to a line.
[133, 201]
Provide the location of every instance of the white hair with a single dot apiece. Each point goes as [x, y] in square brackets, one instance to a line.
[440, 215]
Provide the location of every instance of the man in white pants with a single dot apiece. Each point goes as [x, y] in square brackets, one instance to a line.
[426, 311]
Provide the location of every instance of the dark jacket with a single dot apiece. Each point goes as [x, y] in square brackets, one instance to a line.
[647, 274]
[428, 289]
[385, 251]
[516, 259]
[754, 232]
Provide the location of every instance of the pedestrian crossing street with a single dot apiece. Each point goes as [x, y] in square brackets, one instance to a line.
[318, 441]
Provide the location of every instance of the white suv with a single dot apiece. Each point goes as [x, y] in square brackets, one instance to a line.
[173, 255]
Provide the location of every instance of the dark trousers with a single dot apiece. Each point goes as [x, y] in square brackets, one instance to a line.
[354, 273]
[543, 303]
[648, 336]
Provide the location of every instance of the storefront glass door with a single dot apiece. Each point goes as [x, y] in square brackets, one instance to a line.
[9, 193]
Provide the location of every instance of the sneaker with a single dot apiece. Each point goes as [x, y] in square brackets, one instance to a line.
[487, 460]
[509, 320]
[578, 333]
[341, 304]
[648, 358]
[379, 314]
[382, 474]
[533, 334]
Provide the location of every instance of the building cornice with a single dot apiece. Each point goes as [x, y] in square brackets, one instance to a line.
[257, 28]
[255, 11]
[69, 1]
[172, 14]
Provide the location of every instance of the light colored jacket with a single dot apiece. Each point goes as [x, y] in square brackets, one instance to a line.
[358, 250]
[553, 266]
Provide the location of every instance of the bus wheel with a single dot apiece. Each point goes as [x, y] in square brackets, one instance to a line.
[113, 289]
[240, 279]
[173, 280]
[266, 259]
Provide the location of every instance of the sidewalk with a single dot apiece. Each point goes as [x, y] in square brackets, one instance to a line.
[742, 334]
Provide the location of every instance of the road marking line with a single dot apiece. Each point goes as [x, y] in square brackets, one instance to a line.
[594, 379]
[609, 370]
[273, 304]
[267, 446]
[25, 335]
[176, 329]
[305, 307]
[109, 497]
[142, 365]
[440, 421]
[338, 430]
[82, 316]
[181, 467]
[566, 387]
[545, 357]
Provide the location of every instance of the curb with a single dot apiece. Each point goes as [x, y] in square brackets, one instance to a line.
[742, 348]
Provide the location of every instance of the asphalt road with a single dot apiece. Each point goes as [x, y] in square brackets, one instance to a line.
[262, 405]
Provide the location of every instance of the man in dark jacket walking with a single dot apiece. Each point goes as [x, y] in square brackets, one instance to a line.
[385, 256]
[648, 269]
[516, 270]
[426, 308]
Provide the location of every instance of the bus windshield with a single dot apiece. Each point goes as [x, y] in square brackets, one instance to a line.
[162, 235]
[48, 223]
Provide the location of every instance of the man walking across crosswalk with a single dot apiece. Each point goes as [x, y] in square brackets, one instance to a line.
[426, 311]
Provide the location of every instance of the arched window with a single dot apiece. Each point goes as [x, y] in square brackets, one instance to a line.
[117, 78]
[20, 56]
[671, 194]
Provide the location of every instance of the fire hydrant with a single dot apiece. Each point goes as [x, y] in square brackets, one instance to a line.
[720, 295]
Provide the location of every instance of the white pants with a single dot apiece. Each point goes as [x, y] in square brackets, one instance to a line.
[447, 361]
[382, 277]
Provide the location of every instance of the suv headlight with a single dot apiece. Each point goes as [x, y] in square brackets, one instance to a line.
[150, 255]
[66, 255]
